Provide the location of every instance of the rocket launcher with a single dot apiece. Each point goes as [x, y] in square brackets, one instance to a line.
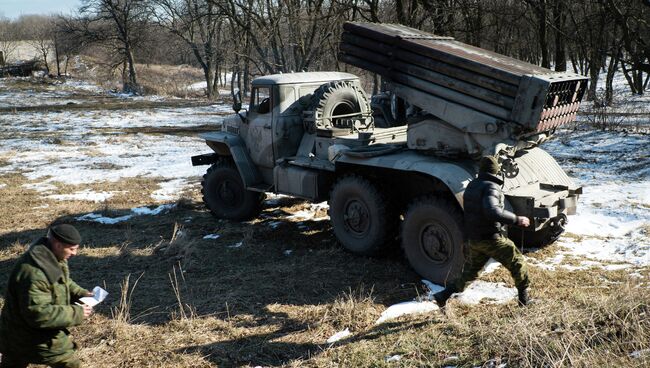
[473, 89]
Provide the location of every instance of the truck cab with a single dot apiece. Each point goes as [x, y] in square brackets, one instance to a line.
[272, 128]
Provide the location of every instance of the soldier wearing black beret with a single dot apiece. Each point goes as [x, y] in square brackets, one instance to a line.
[40, 304]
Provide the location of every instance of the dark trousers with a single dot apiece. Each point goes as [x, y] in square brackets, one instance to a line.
[504, 251]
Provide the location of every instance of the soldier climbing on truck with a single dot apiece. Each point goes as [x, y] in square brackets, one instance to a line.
[394, 167]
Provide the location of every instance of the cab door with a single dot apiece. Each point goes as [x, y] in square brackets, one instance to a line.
[259, 140]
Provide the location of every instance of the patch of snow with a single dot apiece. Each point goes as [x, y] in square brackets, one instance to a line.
[212, 236]
[490, 292]
[40, 187]
[2, 185]
[339, 336]
[613, 212]
[407, 308]
[236, 245]
[95, 217]
[490, 266]
[476, 292]
[169, 190]
[86, 146]
[633, 249]
[287, 252]
[310, 213]
[393, 358]
[138, 211]
[433, 288]
[84, 195]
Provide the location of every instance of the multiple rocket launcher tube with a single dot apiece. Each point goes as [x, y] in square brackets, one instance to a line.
[474, 80]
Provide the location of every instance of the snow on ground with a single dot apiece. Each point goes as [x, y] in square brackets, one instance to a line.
[339, 336]
[407, 308]
[51, 93]
[610, 229]
[84, 195]
[77, 147]
[138, 211]
[475, 293]
[311, 212]
[613, 218]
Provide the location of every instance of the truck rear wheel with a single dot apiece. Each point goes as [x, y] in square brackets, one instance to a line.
[225, 195]
[432, 239]
[360, 216]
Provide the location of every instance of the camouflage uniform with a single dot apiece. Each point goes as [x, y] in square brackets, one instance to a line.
[38, 310]
[504, 251]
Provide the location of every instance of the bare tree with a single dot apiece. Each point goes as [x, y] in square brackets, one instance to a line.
[288, 35]
[632, 19]
[540, 9]
[117, 24]
[8, 42]
[199, 25]
[41, 38]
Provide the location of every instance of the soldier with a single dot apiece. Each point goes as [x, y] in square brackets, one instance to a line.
[40, 304]
[485, 226]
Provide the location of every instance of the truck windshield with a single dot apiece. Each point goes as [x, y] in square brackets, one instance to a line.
[261, 100]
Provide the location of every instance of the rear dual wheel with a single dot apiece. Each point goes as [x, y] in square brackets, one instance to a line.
[432, 239]
[361, 216]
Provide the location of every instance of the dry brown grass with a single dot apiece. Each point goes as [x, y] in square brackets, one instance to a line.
[200, 303]
[164, 80]
[179, 300]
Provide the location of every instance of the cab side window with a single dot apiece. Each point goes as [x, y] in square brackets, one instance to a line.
[261, 100]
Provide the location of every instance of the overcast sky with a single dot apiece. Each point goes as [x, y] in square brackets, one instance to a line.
[15, 8]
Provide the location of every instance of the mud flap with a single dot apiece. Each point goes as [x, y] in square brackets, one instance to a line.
[247, 169]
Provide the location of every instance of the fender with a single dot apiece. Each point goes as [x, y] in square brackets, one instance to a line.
[455, 175]
[224, 143]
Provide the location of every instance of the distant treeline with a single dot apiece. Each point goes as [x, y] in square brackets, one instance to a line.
[254, 37]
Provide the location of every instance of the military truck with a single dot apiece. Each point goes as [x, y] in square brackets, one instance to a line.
[393, 168]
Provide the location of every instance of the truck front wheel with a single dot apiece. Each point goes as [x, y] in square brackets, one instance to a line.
[432, 239]
[225, 195]
[360, 216]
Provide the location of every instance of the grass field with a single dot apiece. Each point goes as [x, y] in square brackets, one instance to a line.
[187, 290]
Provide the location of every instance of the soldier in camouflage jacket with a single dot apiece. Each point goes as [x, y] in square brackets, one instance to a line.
[39, 304]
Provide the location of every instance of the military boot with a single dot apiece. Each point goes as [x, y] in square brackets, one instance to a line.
[523, 298]
[442, 296]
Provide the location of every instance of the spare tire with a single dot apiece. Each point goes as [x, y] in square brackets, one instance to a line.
[340, 98]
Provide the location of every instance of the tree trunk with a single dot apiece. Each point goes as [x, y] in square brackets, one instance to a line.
[56, 55]
[132, 82]
[609, 81]
[559, 17]
[594, 72]
[543, 43]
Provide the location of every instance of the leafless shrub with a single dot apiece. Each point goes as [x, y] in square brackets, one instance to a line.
[122, 313]
[601, 117]
[185, 311]
[180, 246]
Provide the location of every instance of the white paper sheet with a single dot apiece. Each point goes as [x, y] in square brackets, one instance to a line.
[99, 295]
